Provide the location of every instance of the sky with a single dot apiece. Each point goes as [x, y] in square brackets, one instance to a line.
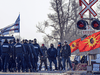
[31, 12]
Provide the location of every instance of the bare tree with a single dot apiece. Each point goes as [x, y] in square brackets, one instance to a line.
[71, 31]
[62, 21]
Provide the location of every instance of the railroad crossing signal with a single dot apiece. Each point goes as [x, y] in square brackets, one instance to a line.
[88, 7]
[82, 24]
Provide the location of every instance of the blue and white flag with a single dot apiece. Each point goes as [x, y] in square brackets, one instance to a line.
[15, 27]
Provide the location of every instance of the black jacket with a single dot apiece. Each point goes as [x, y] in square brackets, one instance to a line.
[13, 44]
[66, 51]
[33, 52]
[52, 53]
[5, 48]
[37, 49]
[27, 49]
[0, 49]
[18, 48]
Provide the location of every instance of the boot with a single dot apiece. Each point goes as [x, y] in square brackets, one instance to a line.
[61, 68]
[40, 68]
[50, 68]
[46, 69]
[18, 70]
[33, 70]
[56, 68]
[26, 70]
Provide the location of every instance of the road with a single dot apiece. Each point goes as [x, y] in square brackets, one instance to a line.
[47, 73]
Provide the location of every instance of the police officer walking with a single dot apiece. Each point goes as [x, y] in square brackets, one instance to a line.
[19, 52]
[5, 54]
[52, 54]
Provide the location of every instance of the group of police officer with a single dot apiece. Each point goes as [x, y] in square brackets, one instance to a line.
[16, 56]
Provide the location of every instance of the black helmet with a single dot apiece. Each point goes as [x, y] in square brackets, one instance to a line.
[6, 41]
[17, 40]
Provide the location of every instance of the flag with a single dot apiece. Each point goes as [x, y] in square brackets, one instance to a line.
[89, 43]
[5, 31]
[17, 25]
[14, 27]
[74, 45]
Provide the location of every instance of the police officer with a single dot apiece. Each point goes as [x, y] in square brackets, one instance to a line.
[14, 63]
[44, 58]
[52, 54]
[38, 50]
[11, 56]
[60, 67]
[19, 52]
[27, 56]
[0, 57]
[32, 56]
[5, 54]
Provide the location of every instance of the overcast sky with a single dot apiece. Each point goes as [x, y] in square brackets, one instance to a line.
[31, 12]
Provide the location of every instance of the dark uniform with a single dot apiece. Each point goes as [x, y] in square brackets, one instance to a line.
[52, 54]
[44, 57]
[32, 56]
[37, 50]
[27, 56]
[0, 57]
[19, 52]
[11, 56]
[5, 54]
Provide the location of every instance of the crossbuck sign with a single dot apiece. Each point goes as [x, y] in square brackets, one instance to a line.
[88, 7]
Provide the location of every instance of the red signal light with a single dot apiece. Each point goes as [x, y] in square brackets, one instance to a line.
[96, 25]
[81, 25]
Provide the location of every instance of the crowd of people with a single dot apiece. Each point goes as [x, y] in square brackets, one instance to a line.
[16, 56]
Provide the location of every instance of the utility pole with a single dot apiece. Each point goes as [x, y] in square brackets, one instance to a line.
[89, 68]
[89, 62]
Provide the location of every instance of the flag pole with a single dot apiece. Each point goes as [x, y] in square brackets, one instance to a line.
[19, 36]
[19, 29]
